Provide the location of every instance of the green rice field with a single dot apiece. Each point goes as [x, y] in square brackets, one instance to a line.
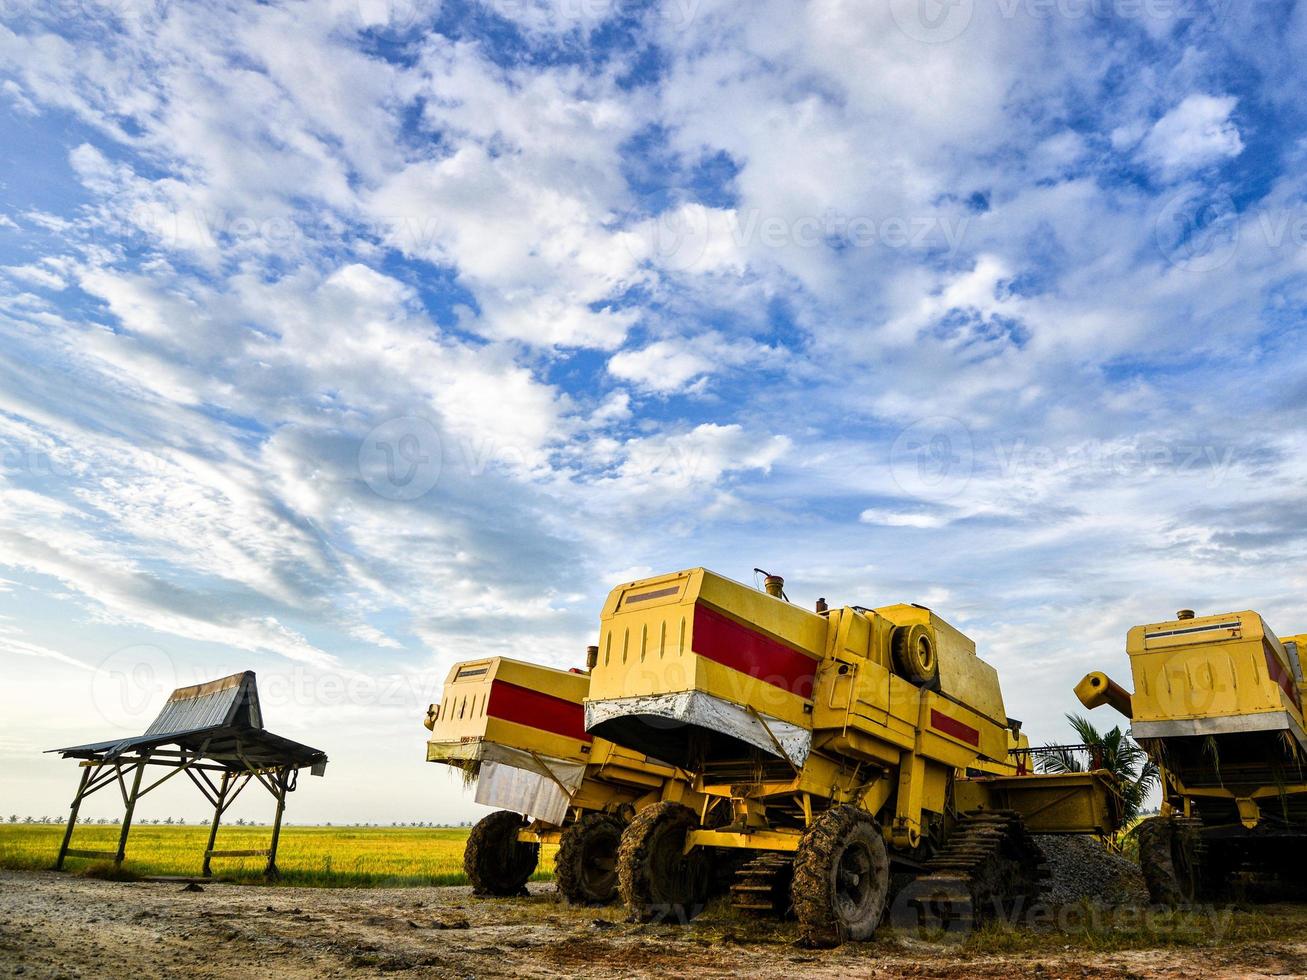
[321, 856]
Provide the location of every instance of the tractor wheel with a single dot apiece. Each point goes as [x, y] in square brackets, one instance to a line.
[658, 881]
[586, 865]
[496, 862]
[914, 654]
[1170, 859]
[841, 878]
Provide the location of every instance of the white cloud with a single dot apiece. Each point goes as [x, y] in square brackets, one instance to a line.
[663, 366]
[1196, 133]
[892, 518]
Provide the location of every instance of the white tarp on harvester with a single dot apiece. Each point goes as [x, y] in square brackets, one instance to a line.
[533, 785]
[780, 738]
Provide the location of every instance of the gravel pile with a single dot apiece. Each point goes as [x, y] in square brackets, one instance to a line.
[1083, 869]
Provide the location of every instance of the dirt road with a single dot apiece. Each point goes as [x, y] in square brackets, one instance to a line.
[62, 926]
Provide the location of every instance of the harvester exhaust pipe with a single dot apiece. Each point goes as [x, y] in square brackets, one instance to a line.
[591, 658]
[1097, 689]
[773, 584]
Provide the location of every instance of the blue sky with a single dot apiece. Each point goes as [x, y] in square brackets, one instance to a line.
[345, 340]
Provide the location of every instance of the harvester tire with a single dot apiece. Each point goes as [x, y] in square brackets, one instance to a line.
[586, 866]
[496, 862]
[657, 880]
[914, 654]
[841, 878]
[1170, 857]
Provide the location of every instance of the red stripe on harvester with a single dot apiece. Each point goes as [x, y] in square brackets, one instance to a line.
[1280, 674]
[534, 709]
[740, 648]
[951, 726]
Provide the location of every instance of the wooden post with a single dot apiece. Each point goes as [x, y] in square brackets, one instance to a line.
[217, 818]
[72, 818]
[283, 778]
[131, 807]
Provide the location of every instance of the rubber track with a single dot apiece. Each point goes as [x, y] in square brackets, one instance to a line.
[988, 863]
[762, 887]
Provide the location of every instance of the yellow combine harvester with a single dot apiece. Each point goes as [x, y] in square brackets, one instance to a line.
[831, 747]
[517, 730]
[1218, 706]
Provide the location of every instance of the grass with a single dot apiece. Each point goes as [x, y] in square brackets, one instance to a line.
[316, 856]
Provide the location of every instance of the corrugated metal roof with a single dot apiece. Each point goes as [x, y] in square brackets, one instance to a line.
[224, 702]
[219, 719]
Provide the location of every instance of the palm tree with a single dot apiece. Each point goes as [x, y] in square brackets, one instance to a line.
[1114, 751]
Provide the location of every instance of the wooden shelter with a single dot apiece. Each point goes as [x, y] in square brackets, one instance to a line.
[213, 732]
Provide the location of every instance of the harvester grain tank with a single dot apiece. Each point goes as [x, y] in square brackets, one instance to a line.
[1217, 704]
[832, 748]
[516, 730]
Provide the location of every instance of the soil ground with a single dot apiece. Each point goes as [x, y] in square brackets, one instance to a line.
[57, 925]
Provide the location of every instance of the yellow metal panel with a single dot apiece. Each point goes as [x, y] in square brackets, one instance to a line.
[1055, 803]
[1210, 666]
[963, 676]
[764, 840]
[790, 623]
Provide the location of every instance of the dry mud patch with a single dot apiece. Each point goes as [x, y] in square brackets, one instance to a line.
[54, 925]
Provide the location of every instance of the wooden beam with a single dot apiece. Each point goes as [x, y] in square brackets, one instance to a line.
[217, 817]
[127, 817]
[283, 781]
[72, 819]
[72, 852]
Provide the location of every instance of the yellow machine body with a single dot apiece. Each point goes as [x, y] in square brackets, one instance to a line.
[1217, 704]
[518, 729]
[780, 712]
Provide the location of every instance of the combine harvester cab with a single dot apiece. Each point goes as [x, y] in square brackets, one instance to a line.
[517, 731]
[833, 744]
[1217, 704]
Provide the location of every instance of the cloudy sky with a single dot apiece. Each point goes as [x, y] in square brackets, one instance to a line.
[345, 339]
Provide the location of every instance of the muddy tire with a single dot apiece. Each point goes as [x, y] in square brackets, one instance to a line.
[914, 654]
[1170, 859]
[841, 878]
[657, 880]
[586, 866]
[495, 861]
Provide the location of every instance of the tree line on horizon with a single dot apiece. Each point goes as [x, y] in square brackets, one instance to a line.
[238, 822]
